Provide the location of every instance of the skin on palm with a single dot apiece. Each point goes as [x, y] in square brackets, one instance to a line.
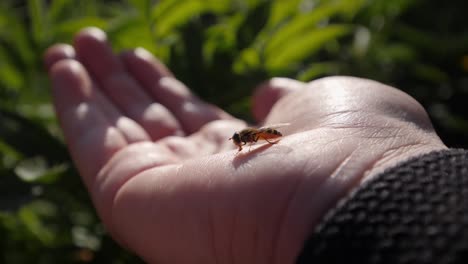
[175, 199]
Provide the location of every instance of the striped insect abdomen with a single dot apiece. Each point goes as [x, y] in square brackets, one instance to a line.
[270, 133]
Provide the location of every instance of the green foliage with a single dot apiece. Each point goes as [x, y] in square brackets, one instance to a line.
[221, 49]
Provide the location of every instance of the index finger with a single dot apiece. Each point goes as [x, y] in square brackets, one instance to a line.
[91, 137]
[191, 112]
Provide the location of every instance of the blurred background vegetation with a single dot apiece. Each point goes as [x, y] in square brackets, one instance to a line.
[221, 49]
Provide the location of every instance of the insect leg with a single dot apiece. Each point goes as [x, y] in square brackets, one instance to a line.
[254, 140]
[271, 142]
[250, 145]
[243, 143]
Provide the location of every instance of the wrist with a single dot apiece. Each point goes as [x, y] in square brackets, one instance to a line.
[357, 158]
[411, 142]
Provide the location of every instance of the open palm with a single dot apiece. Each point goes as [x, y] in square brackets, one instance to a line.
[168, 184]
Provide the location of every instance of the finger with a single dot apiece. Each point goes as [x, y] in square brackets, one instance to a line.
[269, 92]
[58, 52]
[129, 128]
[90, 136]
[192, 112]
[95, 53]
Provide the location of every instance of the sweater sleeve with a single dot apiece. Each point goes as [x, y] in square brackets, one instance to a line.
[416, 212]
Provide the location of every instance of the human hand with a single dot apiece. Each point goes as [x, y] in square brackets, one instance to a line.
[168, 184]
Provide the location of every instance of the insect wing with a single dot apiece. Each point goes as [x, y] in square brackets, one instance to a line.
[274, 126]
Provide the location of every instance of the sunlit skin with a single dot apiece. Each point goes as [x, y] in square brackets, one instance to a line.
[169, 186]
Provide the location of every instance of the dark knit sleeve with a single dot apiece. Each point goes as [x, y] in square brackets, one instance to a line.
[416, 212]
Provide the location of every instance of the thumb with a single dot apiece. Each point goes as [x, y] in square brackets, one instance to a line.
[269, 92]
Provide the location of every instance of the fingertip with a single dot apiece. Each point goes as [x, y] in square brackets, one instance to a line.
[91, 33]
[96, 53]
[143, 53]
[56, 53]
[70, 79]
[66, 67]
[269, 92]
[88, 41]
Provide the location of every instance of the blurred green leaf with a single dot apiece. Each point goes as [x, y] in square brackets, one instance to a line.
[37, 170]
[10, 76]
[129, 31]
[143, 6]
[280, 11]
[317, 70]
[315, 16]
[349, 9]
[177, 14]
[221, 37]
[82, 237]
[301, 24]
[8, 155]
[15, 38]
[32, 168]
[162, 7]
[67, 29]
[34, 224]
[56, 9]
[249, 59]
[38, 19]
[303, 46]
[29, 138]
